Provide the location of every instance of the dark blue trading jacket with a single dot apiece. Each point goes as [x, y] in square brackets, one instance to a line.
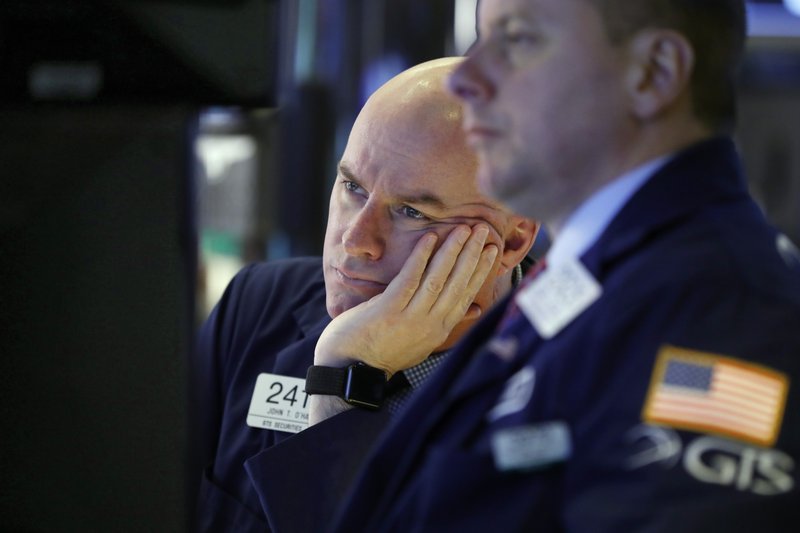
[268, 320]
[567, 434]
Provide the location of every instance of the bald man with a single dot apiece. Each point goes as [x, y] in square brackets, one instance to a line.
[405, 206]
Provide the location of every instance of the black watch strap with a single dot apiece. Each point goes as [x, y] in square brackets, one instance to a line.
[326, 380]
[357, 384]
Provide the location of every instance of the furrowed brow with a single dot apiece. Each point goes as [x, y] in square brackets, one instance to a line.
[422, 198]
[345, 171]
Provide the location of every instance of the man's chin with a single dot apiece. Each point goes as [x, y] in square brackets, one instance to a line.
[340, 304]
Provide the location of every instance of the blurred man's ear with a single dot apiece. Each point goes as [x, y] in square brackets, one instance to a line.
[518, 241]
[660, 70]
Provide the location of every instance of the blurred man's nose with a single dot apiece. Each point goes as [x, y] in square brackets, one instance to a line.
[470, 81]
[365, 235]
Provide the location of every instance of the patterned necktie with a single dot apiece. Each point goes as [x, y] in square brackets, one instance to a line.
[513, 309]
[398, 382]
[397, 390]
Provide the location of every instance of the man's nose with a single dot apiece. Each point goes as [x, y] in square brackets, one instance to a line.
[471, 81]
[365, 235]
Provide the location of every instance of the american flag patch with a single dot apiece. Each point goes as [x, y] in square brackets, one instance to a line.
[710, 393]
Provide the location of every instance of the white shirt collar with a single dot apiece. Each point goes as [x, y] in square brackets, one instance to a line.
[584, 226]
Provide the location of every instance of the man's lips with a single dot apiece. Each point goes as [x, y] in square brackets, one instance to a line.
[355, 279]
[478, 133]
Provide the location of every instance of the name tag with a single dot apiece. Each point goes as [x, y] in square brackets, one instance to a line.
[557, 296]
[279, 403]
[531, 447]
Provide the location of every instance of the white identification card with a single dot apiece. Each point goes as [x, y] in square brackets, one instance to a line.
[531, 447]
[557, 296]
[279, 403]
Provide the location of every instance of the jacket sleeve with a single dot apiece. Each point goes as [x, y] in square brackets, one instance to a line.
[302, 480]
[206, 376]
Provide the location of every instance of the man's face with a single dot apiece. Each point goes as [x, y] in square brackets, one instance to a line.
[544, 103]
[393, 186]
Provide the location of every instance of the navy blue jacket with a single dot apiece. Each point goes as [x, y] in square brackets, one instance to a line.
[268, 320]
[555, 435]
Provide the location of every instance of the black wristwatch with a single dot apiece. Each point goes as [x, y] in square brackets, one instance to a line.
[357, 384]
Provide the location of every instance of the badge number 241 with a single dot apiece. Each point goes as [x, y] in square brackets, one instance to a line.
[279, 403]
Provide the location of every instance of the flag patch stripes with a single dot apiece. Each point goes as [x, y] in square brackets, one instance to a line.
[711, 393]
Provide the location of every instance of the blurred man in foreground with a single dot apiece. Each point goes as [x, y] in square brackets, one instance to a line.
[646, 379]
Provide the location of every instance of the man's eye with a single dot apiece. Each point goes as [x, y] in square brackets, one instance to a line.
[353, 187]
[518, 37]
[410, 212]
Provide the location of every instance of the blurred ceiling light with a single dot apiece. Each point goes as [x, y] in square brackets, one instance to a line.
[793, 6]
[464, 25]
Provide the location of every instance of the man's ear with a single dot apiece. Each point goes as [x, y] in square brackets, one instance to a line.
[518, 241]
[661, 65]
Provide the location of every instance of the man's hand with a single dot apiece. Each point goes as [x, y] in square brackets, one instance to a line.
[400, 327]
[419, 308]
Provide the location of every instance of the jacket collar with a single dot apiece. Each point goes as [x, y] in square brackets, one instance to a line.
[311, 318]
[705, 173]
[313, 313]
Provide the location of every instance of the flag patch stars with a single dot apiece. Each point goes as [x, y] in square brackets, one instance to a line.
[710, 393]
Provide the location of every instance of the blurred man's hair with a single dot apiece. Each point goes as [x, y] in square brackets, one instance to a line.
[716, 30]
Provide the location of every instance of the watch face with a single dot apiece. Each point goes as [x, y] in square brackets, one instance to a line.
[364, 386]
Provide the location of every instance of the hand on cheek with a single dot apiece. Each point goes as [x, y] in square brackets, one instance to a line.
[431, 294]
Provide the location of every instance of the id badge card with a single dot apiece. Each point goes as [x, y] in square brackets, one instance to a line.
[279, 403]
[559, 295]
